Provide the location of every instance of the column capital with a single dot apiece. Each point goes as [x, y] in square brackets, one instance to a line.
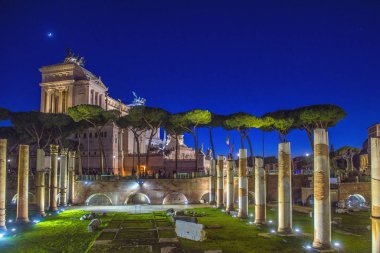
[64, 151]
[54, 149]
[72, 154]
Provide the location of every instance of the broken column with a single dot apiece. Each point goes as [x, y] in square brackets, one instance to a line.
[243, 184]
[322, 206]
[53, 177]
[230, 185]
[220, 183]
[284, 189]
[22, 215]
[260, 192]
[71, 168]
[212, 197]
[3, 182]
[375, 193]
[63, 178]
[40, 182]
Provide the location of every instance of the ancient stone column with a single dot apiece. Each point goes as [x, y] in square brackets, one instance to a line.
[243, 184]
[71, 176]
[40, 183]
[47, 189]
[212, 197]
[284, 189]
[230, 186]
[375, 193]
[3, 182]
[322, 206]
[53, 177]
[63, 178]
[220, 182]
[260, 192]
[23, 184]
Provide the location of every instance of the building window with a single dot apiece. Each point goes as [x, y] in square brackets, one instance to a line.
[90, 135]
[84, 135]
[96, 135]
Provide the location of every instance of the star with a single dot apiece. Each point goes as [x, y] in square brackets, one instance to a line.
[50, 34]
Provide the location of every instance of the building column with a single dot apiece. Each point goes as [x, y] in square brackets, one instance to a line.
[220, 183]
[243, 184]
[48, 101]
[60, 100]
[63, 178]
[230, 186]
[53, 177]
[260, 192]
[71, 176]
[375, 193]
[322, 205]
[40, 184]
[212, 197]
[3, 182]
[284, 189]
[23, 184]
[47, 189]
[53, 102]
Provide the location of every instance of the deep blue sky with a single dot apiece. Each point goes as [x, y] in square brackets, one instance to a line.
[225, 56]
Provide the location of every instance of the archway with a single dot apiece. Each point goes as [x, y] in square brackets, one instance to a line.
[98, 199]
[205, 198]
[175, 198]
[310, 200]
[137, 199]
[31, 199]
[356, 201]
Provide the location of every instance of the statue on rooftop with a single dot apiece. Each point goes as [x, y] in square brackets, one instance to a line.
[72, 58]
[138, 100]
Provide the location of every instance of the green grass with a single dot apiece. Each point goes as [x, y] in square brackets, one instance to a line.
[238, 236]
[60, 233]
[66, 233]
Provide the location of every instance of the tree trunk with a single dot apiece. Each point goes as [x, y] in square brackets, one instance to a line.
[250, 150]
[148, 150]
[176, 153]
[101, 148]
[138, 155]
[196, 151]
[310, 137]
[212, 144]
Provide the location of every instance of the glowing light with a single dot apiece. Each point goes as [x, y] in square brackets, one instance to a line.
[307, 247]
[10, 221]
[273, 231]
[336, 244]
[9, 160]
[251, 215]
[37, 221]
[307, 154]
[1, 236]
[50, 34]
[250, 223]
[270, 221]
[13, 229]
[85, 182]
[297, 230]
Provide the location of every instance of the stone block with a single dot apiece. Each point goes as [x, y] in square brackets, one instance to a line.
[186, 218]
[189, 230]
[94, 225]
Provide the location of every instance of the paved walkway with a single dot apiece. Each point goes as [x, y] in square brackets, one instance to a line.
[136, 208]
[140, 233]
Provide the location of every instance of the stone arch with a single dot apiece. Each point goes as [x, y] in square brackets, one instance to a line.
[251, 197]
[309, 200]
[356, 201]
[205, 198]
[175, 198]
[98, 199]
[137, 199]
[31, 199]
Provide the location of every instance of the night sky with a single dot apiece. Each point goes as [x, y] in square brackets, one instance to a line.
[224, 56]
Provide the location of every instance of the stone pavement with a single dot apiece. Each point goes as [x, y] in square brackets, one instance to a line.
[141, 233]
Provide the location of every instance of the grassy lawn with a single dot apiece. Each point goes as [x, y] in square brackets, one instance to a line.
[66, 233]
[57, 233]
[238, 236]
